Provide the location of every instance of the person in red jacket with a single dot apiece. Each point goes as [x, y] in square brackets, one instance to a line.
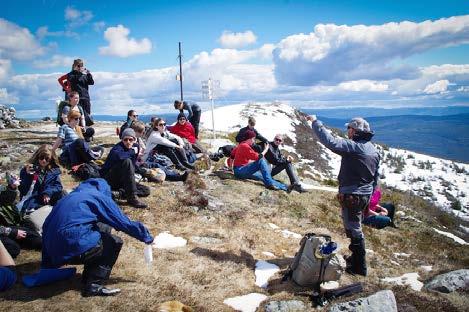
[248, 164]
[185, 130]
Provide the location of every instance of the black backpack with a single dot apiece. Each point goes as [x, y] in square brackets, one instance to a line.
[86, 171]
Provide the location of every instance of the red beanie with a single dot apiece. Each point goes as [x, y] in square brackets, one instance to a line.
[249, 134]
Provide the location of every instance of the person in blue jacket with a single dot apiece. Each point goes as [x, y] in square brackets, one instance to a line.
[119, 169]
[42, 170]
[77, 231]
[358, 177]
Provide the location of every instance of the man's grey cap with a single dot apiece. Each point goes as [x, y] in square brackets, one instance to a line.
[129, 132]
[359, 124]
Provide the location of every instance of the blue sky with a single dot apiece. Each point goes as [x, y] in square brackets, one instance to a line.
[307, 53]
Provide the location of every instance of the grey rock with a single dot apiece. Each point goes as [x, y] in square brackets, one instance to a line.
[5, 160]
[285, 306]
[449, 282]
[2, 125]
[382, 301]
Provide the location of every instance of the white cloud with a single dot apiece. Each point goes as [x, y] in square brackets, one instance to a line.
[43, 32]
[76, 18]
[7, 99]
[336, 53]
[231, 39]
[363, 85]
[56, 60]
[463, 89]
[439, 86]
[5, 66]
[17, 43]
[98, 26]
[122, 46]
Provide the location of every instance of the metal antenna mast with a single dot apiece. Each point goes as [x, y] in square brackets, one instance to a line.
[180, 71]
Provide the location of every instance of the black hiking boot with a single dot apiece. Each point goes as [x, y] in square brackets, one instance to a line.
[134, 202]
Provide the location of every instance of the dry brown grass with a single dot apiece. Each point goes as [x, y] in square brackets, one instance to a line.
[202, 275]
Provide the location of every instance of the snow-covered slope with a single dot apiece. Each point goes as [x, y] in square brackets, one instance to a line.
[443, 182]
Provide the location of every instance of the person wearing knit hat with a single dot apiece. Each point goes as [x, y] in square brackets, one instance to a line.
[119, 169]
[248, 164]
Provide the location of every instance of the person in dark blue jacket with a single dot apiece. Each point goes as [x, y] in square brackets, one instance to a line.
[40, 180]
[119, 169]
[77, 231]
[358, 177]
[193, 113]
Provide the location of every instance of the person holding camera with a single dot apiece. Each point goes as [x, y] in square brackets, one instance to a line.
[79, 79]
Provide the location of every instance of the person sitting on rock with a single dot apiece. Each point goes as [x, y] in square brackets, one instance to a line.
[379, 215]
[78, 231]
[194, 113]
[119, 169]
[248, 164]
[242, 134]
[75, 150]
[147, 161]
[185, 130]
[168, 144]
[131, 117]
[7, 269]
[280, 162]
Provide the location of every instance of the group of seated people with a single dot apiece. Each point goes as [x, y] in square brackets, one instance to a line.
[36, 213]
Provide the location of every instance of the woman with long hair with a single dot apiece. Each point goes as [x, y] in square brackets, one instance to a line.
[168, 144]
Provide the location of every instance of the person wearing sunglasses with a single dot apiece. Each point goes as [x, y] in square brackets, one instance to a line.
[167, 144]
[75, 149]
[358, 177]
[280, 163]
[185, 130]
[249, 164]
[39, 185]
[193, 113]
[119, 170]
[131, 117]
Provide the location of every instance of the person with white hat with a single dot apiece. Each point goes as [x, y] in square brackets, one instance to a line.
[358, 178]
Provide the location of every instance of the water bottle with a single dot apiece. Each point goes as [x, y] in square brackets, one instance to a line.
[148, 254]
[329, 248]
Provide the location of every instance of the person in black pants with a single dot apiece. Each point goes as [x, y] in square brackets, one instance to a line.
[79, 79]
[78, 231]
[280, 163]
[194, 112]
[14, 238]
[119, 169]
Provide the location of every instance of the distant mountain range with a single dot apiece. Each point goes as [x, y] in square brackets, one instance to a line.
[444, 136]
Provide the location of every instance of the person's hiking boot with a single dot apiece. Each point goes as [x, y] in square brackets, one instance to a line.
[392, 224]
[356, 263]
[272, 187]
[184, 176]
[94, 289]
[296, 187]
[134, 202]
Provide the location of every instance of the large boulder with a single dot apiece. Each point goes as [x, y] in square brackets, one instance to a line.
[382, 301]
[449, 282]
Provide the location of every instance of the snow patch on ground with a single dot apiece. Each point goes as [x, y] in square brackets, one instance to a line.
[273, 226]
[426, 268]
[452, 236]
[165, 240]
[287, 233]
[246, 303]
[410, 279]
[264, 270]
[268, 254]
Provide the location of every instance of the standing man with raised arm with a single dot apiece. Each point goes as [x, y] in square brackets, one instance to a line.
[194, 112]
[358, 177]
